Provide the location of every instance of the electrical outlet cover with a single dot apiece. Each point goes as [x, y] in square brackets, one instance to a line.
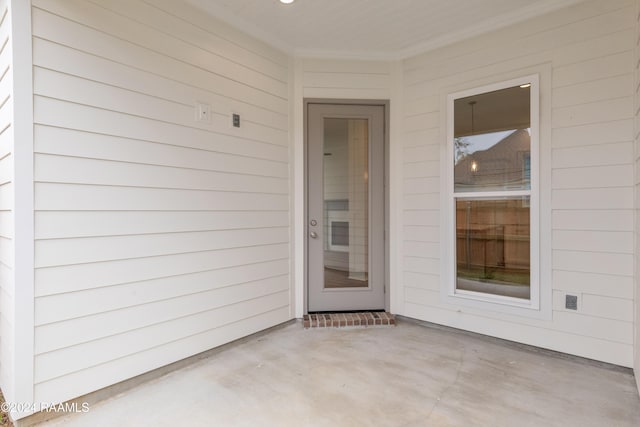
[203, 112]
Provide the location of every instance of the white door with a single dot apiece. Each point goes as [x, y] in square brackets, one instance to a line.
[345, 221]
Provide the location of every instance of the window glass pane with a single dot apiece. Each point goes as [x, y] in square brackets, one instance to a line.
[492, 141]
[492, 246]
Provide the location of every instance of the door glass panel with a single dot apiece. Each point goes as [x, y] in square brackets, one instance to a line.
[346, 203]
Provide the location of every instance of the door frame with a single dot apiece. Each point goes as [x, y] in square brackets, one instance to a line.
[365, 102]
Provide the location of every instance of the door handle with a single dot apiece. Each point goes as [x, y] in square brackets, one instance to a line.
[313, 235]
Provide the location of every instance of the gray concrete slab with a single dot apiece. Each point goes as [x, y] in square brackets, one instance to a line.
[410, 375]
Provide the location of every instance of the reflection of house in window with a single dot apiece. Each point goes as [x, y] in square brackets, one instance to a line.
[505, 165]
[526, 171]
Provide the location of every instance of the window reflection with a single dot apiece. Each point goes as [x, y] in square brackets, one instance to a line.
[492, 141]
[493, 161]
[492, 246]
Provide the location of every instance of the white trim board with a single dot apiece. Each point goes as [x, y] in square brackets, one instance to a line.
[24, 202]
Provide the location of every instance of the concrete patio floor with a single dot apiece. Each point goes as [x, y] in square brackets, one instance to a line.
[408, 375]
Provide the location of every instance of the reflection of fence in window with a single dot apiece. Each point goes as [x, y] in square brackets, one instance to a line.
[492, 240]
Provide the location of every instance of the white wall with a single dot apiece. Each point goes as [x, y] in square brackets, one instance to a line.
[157, 236]
[345, 79]
[587, 145]
[7, 282]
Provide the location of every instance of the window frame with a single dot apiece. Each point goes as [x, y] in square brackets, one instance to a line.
[475, 298]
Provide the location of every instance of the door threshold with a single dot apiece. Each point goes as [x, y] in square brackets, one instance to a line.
[349, 320]
[347, 311]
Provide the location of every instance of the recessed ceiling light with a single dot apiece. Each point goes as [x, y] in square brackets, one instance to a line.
[286, 1]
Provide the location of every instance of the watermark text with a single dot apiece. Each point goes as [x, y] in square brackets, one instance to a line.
[67, 407]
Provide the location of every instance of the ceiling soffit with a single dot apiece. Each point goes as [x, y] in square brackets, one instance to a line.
[371, 29]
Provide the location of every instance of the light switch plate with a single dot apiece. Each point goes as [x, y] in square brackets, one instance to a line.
[203, 112]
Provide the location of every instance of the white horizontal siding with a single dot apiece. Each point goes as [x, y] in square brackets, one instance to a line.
[562, 341]
[50, 111]
[96, 352]
[594, 177]
[590, 49]
[79, 277]
[589, 241]
[157, 236]
[615, 285]
[54, 196]
[346, 79]
[126, 41]
[578, 34]
[598, 306]
[51, 224]
[237, 281]
[110, 298]
[231, 324]
[53, 340]
[594, 90]
[7, 233]
[58, 252]
[224, 154]
[54, 168]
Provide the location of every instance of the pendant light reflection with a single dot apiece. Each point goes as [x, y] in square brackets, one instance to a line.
[472, 104]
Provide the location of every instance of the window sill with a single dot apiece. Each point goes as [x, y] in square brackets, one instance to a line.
[501, 305]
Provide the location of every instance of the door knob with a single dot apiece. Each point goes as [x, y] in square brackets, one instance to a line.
[313, 235]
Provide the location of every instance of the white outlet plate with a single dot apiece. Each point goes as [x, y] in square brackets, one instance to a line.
[203, 112]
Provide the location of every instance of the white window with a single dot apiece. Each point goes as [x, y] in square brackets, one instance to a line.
[492, 202]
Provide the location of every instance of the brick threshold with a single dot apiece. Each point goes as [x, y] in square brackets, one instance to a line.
[348, 320]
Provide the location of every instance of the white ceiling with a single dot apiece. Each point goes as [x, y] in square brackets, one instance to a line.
[389, 29]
